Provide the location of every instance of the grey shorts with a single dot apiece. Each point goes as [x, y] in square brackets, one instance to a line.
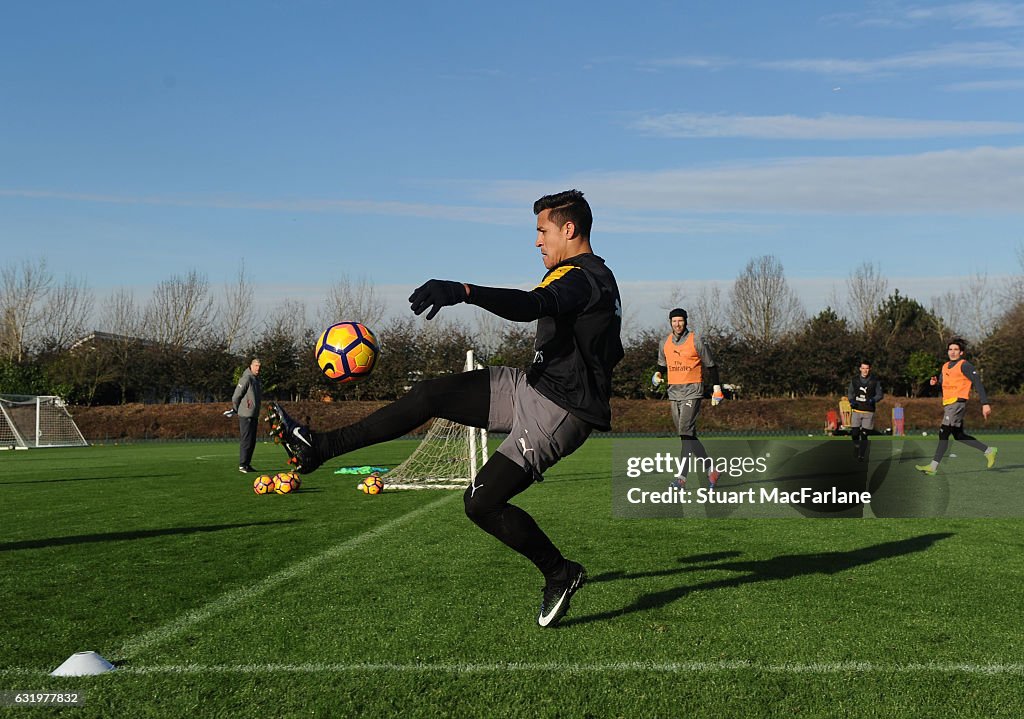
[953, 414]
[539, 431]
[684, 414]
[865, 420]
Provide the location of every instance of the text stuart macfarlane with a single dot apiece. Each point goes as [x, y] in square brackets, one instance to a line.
[774, 495]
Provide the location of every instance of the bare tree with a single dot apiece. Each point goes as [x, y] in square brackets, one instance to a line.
[355, 300]
[120, 315]
[704, 308]
[866, 290]
[1013, 290]
[121, 318]
[709, 314]
[22, 290]
[763, 307]
[981, 306]
[833, 300]
[180, 310]
[488, 329]
[676, 298]
[236, 314]
[947, 307]
[65, 313]
[288, 320]
[972, 311]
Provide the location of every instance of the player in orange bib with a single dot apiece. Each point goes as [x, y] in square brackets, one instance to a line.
[686, 364]
[956, 379]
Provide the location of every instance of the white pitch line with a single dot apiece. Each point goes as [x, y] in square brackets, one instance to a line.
[583, 668]
[135, 645]
[813, 668]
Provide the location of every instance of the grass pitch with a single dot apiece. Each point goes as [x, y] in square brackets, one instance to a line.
[215, 602]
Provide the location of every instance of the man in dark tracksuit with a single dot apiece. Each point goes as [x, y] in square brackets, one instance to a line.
[548, 410]
[864, 392]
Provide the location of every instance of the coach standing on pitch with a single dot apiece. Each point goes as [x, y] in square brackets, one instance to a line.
[245, 402]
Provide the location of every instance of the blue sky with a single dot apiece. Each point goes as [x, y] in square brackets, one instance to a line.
[403, 141]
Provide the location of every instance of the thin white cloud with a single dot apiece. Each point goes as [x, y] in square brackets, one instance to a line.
[518, 216]
[686, 200]
[979, 55]
[985, 86]
[977, 180]
[973, 55]
[824, 127]
[705, 62]
[982, 14]
[971, 14]
[462, 213]
[624, 223]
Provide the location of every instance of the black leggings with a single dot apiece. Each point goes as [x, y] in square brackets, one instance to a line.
[464, 398]
[486, 501]
[958, 434]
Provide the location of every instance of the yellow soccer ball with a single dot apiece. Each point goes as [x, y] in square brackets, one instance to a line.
[346, 351]
[372, 484]
[264, 484]
[286, 482]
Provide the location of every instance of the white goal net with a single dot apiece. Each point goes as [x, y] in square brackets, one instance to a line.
[447, 457]
[37, 421]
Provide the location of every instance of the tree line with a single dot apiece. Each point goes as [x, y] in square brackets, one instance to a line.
[188, 342]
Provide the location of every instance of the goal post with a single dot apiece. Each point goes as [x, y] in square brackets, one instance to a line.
[29, 421]
[448, 456]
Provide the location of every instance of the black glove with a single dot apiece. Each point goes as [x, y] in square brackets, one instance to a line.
[438, 294]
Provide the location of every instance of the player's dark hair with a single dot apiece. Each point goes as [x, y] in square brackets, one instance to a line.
[865, 361]
[568, 206]
[959, 343]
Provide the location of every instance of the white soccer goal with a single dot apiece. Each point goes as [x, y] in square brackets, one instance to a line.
[37, 421]
[448, 456]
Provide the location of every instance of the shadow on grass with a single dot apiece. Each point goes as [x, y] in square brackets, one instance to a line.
[786, 566]
[90, 479]
[125, 536]
[695, 559]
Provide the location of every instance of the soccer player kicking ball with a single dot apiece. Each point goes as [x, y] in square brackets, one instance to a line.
[957, 377]
[547, 410]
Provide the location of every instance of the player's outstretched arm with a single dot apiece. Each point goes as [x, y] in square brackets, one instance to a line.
[512, 305]
[564, 290]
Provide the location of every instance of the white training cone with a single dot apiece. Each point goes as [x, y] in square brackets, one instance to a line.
[82, 664]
